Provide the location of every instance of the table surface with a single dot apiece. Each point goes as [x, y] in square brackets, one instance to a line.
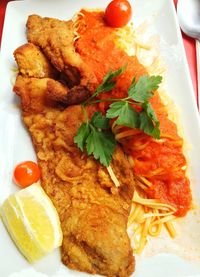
[189, 44]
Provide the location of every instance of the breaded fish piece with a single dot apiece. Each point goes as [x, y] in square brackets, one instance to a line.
[32, 62]
[37, 74]
[93, 212]
[33, 94]
[51, 92]
[56, 39]
[60, 93]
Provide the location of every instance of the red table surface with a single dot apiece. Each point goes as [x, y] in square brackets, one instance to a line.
[188, 43]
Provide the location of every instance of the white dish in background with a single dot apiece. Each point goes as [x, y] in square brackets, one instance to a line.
[16, 146]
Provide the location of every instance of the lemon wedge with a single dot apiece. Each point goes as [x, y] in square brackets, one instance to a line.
[32, 222]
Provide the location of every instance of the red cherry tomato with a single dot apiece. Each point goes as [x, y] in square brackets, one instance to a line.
[26, 173]
[118, 13]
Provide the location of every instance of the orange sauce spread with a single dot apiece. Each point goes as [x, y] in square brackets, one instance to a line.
[161, 162]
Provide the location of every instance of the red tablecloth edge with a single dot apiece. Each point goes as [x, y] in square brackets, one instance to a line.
[189, 44]
[3, 5]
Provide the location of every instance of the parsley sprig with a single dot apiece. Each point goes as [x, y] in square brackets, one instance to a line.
[138, 94]
[96, 137]
[108, 83]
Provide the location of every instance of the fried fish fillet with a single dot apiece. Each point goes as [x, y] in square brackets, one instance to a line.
[36, 101]
[32, 62]
[60, 93]
[93, 212]
[56, 39]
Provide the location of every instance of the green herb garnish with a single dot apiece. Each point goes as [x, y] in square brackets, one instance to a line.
[138, 94]
[96, 137]
[107, 84]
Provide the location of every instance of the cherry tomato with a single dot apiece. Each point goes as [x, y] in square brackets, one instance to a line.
[26, 173]
[118, 13]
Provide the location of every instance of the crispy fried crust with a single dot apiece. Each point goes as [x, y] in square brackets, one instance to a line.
[35, 69]
[60, 93]
[32, 62]
[56, 39]
[33, 94]
[93, 212]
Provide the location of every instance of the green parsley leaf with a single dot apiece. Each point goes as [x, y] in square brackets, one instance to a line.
[113, 74]
[114, 109]
[100, 121]
[148, 108]
[104, 88]
[96, 138]
[132, 86]
[149, 122]
[81, 136]
[108, 82]
[142, 91]
[102, 145]
[127, 116]
[146, 123]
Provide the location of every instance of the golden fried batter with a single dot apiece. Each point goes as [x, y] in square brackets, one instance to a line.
[56, 39]
[35, 101]
[60, 93]
[93, 212]
[32, 62]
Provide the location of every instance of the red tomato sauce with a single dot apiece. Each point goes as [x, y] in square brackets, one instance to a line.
[161, 163]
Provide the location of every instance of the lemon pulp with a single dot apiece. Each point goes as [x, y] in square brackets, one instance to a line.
[32, 221]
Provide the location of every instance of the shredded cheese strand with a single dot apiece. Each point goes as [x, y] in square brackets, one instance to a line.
[113, 176]
[152, 203]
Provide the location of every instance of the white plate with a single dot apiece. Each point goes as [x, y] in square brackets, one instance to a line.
[15, 143]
